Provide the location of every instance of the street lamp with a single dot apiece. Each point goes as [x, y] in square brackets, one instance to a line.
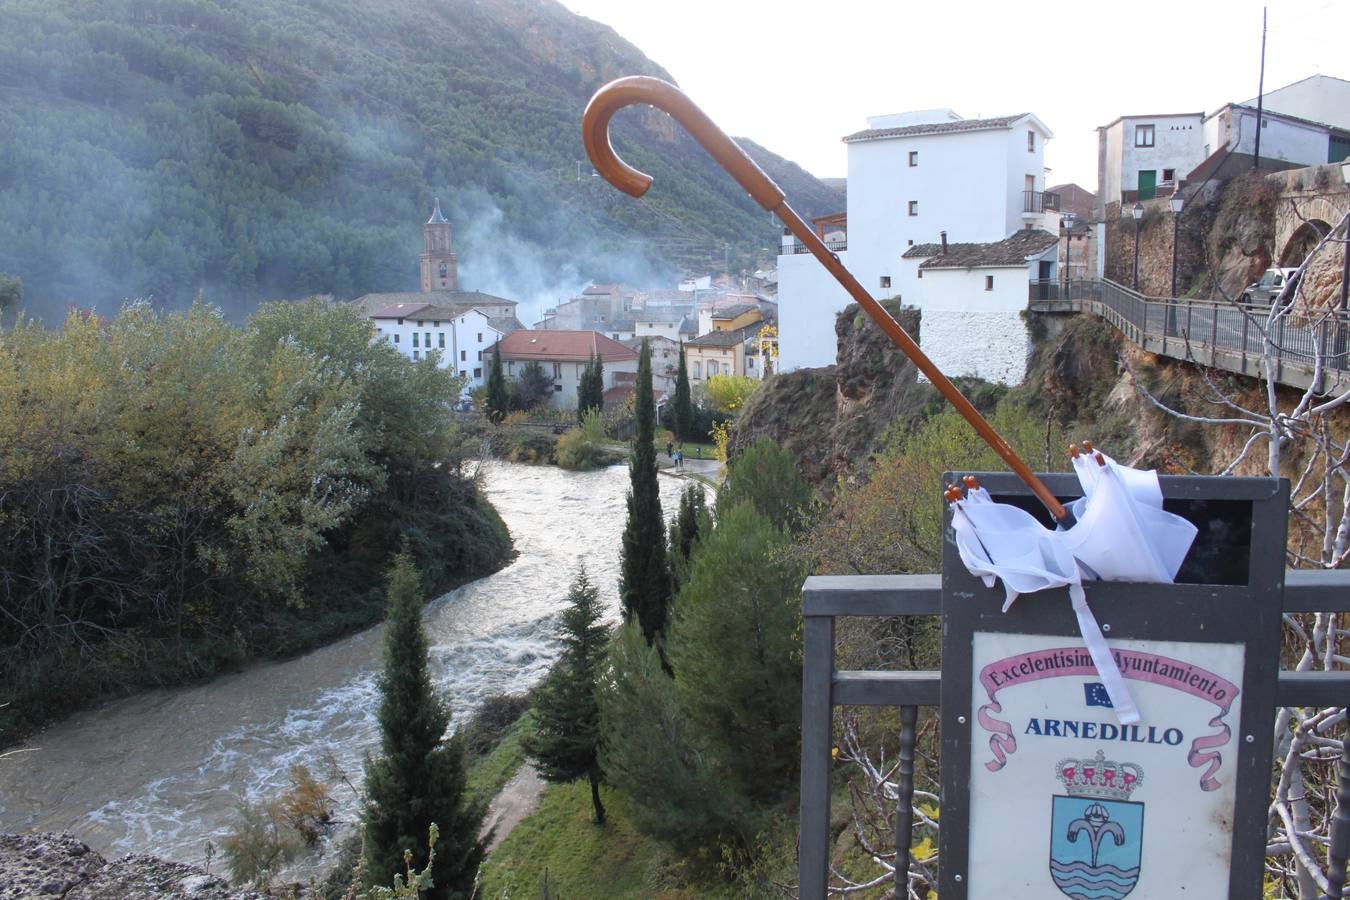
[1340, 361]
[1138, 213]
[1176, 203]
[1067, 222]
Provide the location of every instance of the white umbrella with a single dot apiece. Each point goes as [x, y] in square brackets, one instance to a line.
[1122, 533]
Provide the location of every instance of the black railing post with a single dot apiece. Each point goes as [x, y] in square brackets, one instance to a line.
[817, 674]
[904, 801]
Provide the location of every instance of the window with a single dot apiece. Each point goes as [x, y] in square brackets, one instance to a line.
[698, 369]
[885, 281]
[1031, 141]
[435, 323]
[414, 339]
[989, 282]
[445, 270]
[400, 321]
[440, 340]
[1143, 135]
[463, 374]
[396, 339]
[913, 158]
[712, 367]
[557, 370]
[921, 273]
[477, 373]
[463, 355]
[420, 323]
[427, 342]
[1169, 174]
[914, 207]
[415, 354]
[480, 355]
[480, 337]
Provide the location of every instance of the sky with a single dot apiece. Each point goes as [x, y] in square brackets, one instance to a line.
[796, 76]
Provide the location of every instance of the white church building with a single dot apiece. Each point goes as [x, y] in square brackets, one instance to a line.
[918, 181]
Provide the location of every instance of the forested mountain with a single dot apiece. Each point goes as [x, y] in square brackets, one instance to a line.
[278, 148]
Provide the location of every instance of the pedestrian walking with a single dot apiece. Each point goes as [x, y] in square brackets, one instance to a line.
[679, 459]
[670, 449]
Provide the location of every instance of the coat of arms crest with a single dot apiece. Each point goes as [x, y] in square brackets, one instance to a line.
[1096, 831]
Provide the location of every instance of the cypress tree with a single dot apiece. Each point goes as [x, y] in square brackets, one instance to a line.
[566, 740]
[591, 387]
[498, 400]
[644, 584]
[419, 777]
[689, 522]
[682, 404]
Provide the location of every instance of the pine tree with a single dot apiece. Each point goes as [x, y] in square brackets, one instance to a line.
[644, 584]
[419, 777]
[497, 398]
[736, 649]
[682, 404]
[566, 740]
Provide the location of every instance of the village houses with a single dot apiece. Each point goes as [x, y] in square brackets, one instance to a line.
[564, 355]
[919, 182]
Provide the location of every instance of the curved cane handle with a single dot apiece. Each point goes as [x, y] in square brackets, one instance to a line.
[666, 97]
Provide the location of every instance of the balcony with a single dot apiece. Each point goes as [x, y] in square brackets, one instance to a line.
[1040, 201]
[799, 247]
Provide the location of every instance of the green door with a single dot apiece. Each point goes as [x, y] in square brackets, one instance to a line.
[1148, 184]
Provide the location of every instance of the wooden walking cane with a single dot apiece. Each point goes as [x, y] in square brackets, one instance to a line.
[665, 96]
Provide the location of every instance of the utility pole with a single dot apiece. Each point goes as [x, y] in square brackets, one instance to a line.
[1260, 92]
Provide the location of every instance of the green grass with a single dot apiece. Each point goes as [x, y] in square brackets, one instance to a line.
[490, 774]
[585, 860]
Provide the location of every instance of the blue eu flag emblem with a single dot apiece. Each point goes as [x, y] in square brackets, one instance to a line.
[1094, 694]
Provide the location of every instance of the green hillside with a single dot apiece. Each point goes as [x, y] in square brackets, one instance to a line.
[278, 148]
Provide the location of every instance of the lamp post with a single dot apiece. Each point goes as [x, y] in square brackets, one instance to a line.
[1176, 203]
[1340, 361]
[1138, 213]
[1066, 222]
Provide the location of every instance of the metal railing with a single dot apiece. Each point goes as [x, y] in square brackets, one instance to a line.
[799, 247]
[1219, 334]
[1040, 201]
[825, 598]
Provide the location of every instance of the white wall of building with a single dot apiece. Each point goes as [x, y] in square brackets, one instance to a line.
[808, 300]
[968, 330]
[1294, 142]
[460, 342]
[656, 329]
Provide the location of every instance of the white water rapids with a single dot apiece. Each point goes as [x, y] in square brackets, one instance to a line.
[163, 772]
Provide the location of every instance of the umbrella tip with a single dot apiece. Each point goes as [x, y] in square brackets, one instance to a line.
[971, 482]
[1073, 450]
[1101, 460]
[1087, 445]
[952, 494]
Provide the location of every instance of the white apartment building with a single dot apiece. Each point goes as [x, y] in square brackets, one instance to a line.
[911, 178]
[459, 337]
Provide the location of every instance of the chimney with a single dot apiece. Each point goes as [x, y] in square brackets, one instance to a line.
[943, 235]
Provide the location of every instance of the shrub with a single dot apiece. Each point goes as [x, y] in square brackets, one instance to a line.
[261, 844]
[308, 806]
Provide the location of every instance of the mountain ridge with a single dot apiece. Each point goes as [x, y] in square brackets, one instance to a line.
[166, 148]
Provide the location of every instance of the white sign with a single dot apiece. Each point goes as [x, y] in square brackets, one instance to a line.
[1066, 801]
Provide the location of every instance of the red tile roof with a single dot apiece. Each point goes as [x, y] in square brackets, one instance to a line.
[563, 346]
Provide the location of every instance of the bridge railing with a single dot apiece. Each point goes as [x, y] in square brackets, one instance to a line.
[1298, 337]
[824, 687]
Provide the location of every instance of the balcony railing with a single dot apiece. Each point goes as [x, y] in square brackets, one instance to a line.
[1040, 201]
[799, 247]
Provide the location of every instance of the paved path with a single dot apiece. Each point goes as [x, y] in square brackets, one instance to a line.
[517, 800]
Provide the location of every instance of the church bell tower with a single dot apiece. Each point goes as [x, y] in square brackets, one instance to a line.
[439, 263]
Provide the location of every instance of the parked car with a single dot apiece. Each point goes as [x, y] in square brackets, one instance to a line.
[1272, 284]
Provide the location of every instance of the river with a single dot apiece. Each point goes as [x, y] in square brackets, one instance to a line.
[163, 772]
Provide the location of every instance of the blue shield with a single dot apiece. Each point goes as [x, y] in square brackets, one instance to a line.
[1095, 846]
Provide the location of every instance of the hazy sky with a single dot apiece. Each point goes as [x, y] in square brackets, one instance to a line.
[798, 76]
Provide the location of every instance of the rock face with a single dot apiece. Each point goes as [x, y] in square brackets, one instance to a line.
[57, 865]
[833, 416]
